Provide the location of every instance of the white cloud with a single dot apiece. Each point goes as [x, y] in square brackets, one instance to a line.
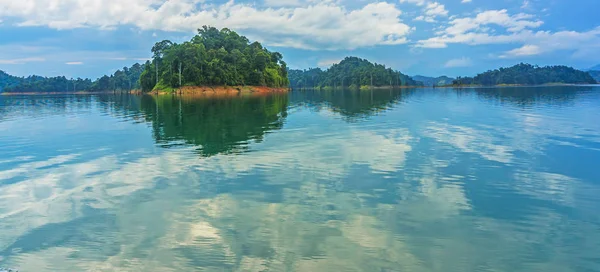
[461, 62]
[283, 3]
[436, 9]
[322, 25]
[466, 1]
[74, 63]
[325, 63]
[526, 50]
[498, 27]
[416, 2]
[21, 60]
[430, 11]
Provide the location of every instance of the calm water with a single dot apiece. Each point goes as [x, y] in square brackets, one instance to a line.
[389, 180]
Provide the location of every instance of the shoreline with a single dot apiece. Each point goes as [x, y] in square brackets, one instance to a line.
[218, 90]
[187, 90]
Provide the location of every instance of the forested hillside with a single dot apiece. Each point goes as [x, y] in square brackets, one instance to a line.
[434, 81]
[7, 80]
[122, 80]
[213, 57]
[352, 72]
[527, 74]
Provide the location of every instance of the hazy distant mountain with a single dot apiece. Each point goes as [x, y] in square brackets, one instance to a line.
[595, 68]
[434, 81]
[595, 74]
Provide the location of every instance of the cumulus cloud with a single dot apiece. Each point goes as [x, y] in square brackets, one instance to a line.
[466, 1]
[431, 10]
[499, 27]
[322, 25]
[526, 50]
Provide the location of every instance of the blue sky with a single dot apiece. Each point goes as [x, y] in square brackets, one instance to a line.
[89, 38]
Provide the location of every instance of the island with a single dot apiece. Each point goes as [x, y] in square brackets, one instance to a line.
[126, 79]
[526, 74]
[351, 73]
[214, 60]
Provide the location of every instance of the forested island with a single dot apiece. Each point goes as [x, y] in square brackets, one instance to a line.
[213, 58]
[350, 73]
[527, 74]
[126, 79]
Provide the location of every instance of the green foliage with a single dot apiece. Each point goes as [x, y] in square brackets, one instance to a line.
[7, 81]
[351, 71]
[126, 79]
[213, 57]
[527, 74]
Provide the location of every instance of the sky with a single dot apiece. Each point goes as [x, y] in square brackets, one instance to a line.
[90, 38]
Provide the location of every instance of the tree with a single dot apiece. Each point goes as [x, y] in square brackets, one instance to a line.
[214, 57]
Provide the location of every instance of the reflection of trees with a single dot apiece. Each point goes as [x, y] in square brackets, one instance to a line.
[529, 96]
[36, 106]
[217, 125]
[352, 104]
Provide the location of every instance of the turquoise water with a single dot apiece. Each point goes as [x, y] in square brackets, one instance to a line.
[385, 180]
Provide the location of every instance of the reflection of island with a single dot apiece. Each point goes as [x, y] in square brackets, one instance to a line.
[352, 104]
[215, 124]
[528, 96]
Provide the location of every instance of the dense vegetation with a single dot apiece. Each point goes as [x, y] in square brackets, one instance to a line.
[353, 73]
[434, 81]
[526, 74]
[213, 57]
[121, 80]
[7, 81]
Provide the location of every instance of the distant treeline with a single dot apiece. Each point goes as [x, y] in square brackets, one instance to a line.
[213, 57]
[122, 80]
[527, 74]
[352, 72]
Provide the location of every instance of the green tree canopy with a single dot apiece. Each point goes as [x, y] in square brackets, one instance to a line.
[213, 57]
[527, 74]
[350, 72]
[122, 80]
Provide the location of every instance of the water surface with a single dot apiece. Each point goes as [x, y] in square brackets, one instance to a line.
[385, 180]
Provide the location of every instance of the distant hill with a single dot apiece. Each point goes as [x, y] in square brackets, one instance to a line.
[7, 80]
[434, 81]
[595, 68]
[126, 79]
[595, 75]
[527, 74]
[353, 73]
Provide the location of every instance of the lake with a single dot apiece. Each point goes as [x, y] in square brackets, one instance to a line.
[385, 180]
